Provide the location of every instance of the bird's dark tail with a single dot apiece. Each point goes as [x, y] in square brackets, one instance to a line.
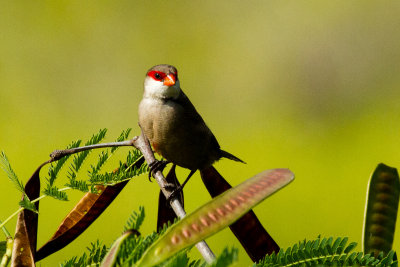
[228, 155]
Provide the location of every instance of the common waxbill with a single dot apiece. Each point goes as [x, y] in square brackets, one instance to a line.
[174, 128]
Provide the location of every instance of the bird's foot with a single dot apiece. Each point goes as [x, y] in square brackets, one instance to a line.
[176, 190]
[155, 166]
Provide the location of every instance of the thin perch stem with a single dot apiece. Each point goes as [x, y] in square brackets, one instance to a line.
[5, 231]
[58, 154]
[10, 217]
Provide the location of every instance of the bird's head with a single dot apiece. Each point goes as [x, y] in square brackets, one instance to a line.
[162, 82]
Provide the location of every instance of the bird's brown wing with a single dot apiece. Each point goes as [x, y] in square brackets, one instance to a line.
[190, 110]
[195, 119]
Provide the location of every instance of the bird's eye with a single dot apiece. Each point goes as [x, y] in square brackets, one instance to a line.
[156, 75]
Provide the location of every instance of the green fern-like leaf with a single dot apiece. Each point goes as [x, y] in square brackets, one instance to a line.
[132, 250]
[3, 248]
[326, 252]
[135, 220]
[180, 259]
[78, 185]
[27, 204]
[226, 258]
[350, 247]
[123, 136]
[54, 192]
[93, 257]
[197, 263]
[143, 243]
[94, 177]
[105, 155]
[55, 169]
[81, 156]
[6, 166]
[125, 171]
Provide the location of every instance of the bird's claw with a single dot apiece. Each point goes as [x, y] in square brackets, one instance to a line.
[176, 190]
[155, 166]
[170, 186]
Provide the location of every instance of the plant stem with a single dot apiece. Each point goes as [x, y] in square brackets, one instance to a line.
[43, 196]
[11, 216]
[6, 233]
[58, 154]
[21, 209]
[7, 255]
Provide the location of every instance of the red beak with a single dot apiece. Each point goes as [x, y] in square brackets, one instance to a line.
[169, 80]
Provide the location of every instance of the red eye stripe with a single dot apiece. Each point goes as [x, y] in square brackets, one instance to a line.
[156, 75]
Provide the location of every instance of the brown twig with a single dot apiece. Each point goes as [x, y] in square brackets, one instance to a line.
[142, 144]
[58, 154]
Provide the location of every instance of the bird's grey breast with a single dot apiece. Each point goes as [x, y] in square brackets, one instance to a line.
[159, 118]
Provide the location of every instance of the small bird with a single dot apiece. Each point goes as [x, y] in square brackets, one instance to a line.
[174, 128]
[178, 133]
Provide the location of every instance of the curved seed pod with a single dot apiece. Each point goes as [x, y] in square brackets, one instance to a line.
[216, 214]
[248, 230]
[381, 210]
[86, 211]
[25, 238]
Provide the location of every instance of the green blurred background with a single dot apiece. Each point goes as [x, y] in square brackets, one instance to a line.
[308, 85]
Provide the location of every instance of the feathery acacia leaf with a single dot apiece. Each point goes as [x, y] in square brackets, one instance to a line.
[27, 204]
[54, 192]
[55, 169]
[105, 155]
[330, 252]
[95, 254]
[111, 258]
[78, 185]
[226, 258]
[81, 156]
[6, 166]
[180, 259]
[125, 171]
[135, 220]
[123, 136]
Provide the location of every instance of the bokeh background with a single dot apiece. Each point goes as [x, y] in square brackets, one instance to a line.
[308, 85]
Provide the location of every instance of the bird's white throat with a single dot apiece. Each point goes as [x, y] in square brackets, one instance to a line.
[156, 89]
